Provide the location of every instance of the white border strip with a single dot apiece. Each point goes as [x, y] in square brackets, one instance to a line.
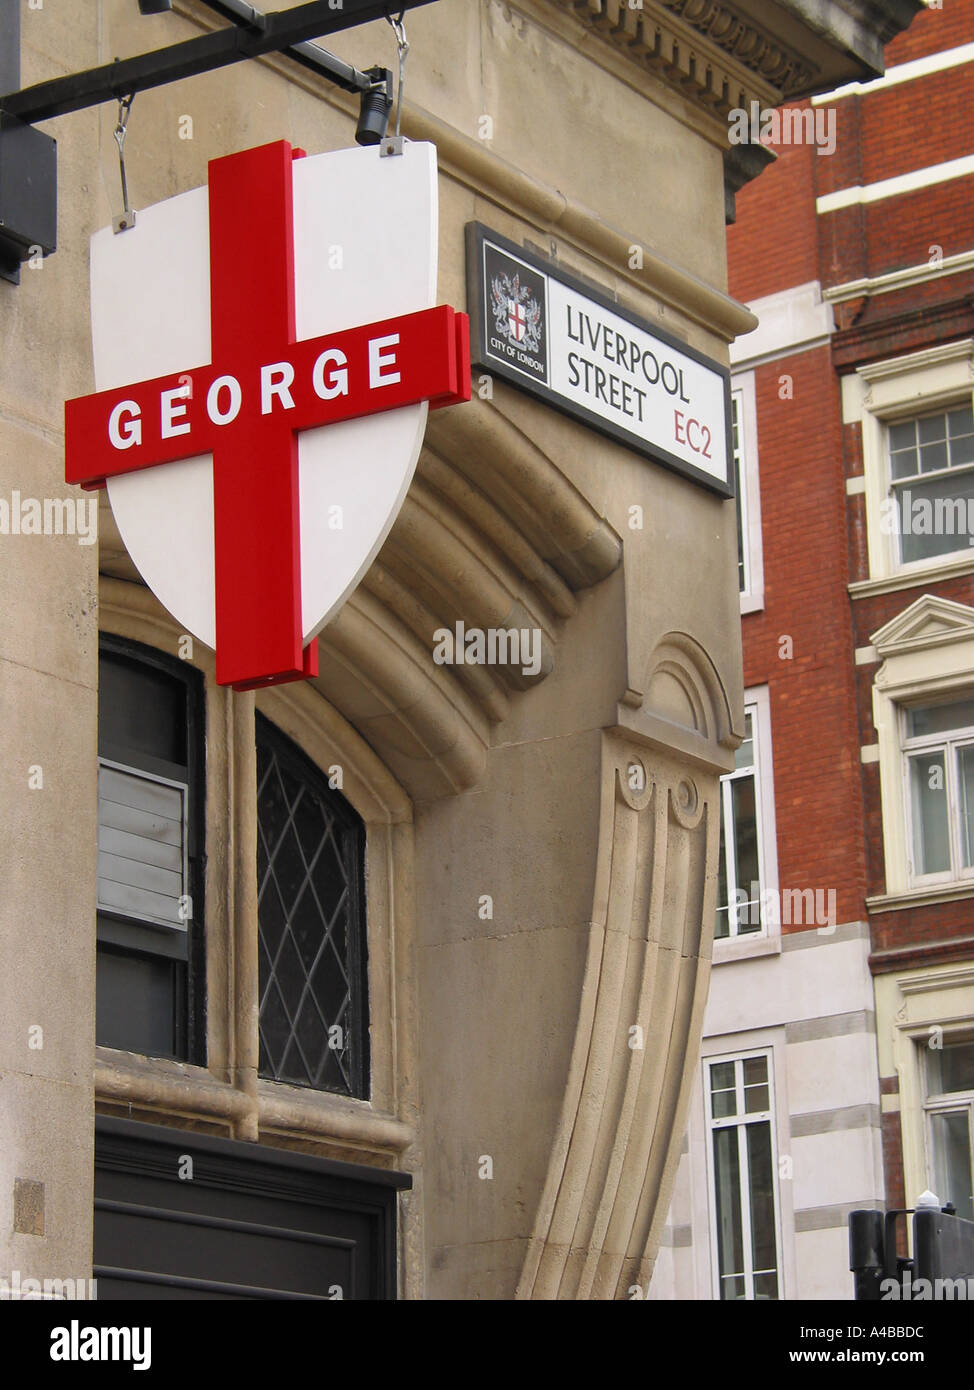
[904, 72]
[900, 279]
[894, 187]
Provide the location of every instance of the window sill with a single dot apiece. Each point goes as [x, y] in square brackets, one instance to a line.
[293, 1110]
[166, 1088]
[729, 949]
[920, 897]
[908, 579]
[752, 603]
[160, 1084]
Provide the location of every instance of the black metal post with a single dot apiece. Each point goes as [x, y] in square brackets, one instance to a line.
[309, 55]
[283, 29]
[867, 1253]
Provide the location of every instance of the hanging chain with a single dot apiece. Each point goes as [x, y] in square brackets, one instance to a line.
[127, 219]
[402, 43]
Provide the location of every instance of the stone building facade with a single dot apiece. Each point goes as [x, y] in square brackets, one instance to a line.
[522, 870]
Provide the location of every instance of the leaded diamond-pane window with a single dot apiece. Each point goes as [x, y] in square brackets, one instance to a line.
[311, 920]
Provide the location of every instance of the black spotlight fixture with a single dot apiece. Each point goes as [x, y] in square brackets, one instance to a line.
[155, 6]
[373, 121]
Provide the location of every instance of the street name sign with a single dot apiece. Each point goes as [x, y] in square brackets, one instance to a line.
[549, 334]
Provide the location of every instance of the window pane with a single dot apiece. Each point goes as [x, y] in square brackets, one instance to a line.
[952, 1160]
[962, 451]
[141, 709]
[723, 1104]
[933, 456]
[723, 1100]
[903, 464]
[935, 517]
[928, 792]
[940, 719]
[756, 1093]
[755, 1071]
[951, 1068]
[960, 422]
[727, 1189]
[960, 428]
[722, 1076]
[744, 757]
[135, 1003]
[965, 774]
[932, 427]
[739, 491]
[932, 442]
[760, 1171]
[722, 927]
[312, 1003]
[903, 436]
[756, 1099]
[746, 835]
[150, 968]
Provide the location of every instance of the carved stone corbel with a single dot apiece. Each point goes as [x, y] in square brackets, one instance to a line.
[645, 984]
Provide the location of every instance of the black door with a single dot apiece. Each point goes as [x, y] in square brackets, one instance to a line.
[183, 1215]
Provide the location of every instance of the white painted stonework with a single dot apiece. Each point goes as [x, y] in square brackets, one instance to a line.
[793, 321]
[810, 1008]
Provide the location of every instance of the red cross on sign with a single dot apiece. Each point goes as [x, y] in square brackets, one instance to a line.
[246, 407]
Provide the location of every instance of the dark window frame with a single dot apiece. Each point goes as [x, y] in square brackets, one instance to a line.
[121, 934]
[353, 839]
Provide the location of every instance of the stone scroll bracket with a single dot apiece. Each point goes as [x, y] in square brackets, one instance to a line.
[617, 1144]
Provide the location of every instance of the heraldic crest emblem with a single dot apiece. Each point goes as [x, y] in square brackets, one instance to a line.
[517, 314]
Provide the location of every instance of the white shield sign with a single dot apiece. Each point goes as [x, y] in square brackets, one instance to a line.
[364, 253]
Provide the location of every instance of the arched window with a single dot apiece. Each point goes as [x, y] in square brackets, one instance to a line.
[311, 918]
[150, 985]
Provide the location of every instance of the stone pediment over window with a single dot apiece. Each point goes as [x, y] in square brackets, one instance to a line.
[683, 705]
[929, 622]
[927, 655]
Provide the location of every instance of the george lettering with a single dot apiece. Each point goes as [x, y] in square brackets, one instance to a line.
[190, 405]
[276, 380]
[125, 425]
[378, 360]
[231, 385]
[170, 412]
[337, 383]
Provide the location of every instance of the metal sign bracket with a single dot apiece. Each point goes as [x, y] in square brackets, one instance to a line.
[28, 158]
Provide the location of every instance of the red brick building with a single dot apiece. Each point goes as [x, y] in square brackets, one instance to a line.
[838, 1063]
